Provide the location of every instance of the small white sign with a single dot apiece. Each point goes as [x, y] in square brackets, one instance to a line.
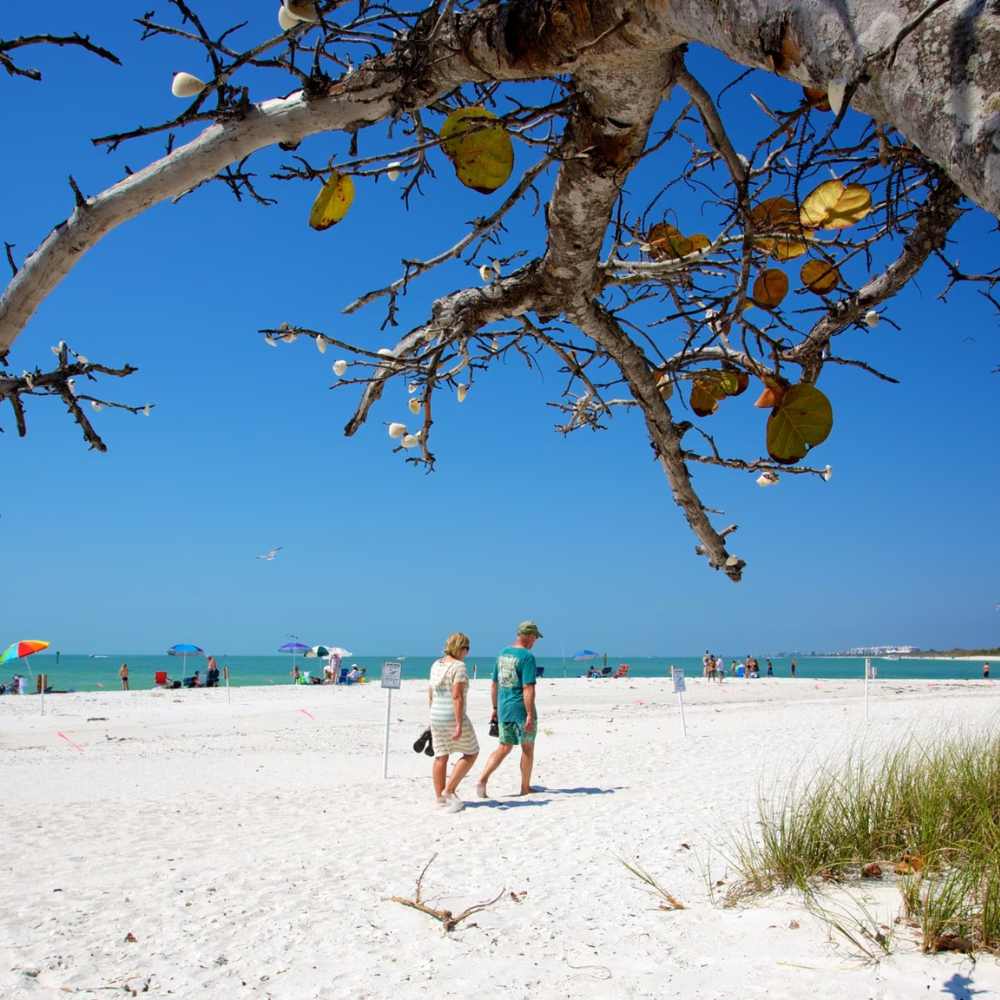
[391, 674]
[677, 676]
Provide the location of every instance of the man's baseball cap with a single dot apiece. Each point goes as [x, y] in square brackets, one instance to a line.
[529, 628]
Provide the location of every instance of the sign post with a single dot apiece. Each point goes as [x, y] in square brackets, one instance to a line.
[868, 673]
[391, 674]
[677, 676]
[225, 674]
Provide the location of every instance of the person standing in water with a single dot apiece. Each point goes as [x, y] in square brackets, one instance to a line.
[123, 675]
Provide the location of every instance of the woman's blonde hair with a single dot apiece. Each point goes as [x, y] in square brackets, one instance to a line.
[455, 644]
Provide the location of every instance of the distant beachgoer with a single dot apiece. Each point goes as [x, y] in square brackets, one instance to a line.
[212, 677]
[986, 671]
[296, 674]
[793, 668]
[513, 694]
[720, 670]
[770, 669]
[451, 730]
[353, 674]
[123, 674]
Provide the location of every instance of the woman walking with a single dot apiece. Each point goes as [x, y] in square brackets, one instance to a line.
[450, 726]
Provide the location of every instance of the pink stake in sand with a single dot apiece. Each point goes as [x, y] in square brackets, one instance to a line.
[75, 746]
[305, 711]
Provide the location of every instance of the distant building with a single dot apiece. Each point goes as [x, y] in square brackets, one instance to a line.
[882, 650]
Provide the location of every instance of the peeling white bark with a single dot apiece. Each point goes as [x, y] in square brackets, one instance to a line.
[942, 91]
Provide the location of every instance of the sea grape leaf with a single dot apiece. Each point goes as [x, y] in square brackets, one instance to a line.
[775, 215]
[734, 382]
[706, 391]
[819, 276]
[802, 420]
[781, 247]
[774, 390]
[483, 155]
[770, 288]
[817, 98]
[667, 242]
[834, 205]
[332, 202]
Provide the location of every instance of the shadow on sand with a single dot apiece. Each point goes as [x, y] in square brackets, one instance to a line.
[960, 987]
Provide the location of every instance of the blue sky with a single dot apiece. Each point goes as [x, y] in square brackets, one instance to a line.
[155, 541]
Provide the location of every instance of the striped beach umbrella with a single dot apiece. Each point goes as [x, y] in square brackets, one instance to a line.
[22, 649]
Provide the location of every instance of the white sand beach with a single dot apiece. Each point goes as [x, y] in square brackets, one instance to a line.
[250, 849]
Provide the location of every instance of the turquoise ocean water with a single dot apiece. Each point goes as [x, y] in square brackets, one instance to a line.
[86, 673]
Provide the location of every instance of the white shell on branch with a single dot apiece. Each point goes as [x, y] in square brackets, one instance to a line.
[414, 405]
[828, 473]
[286, 20]
[186, 85]
[411, 441]
[339, 367]
[147, 409]
[397, 430]
[301, 10]
[835, 95]
[463, 391]
[95, 406]
[871, 318]
[269, 340]
[767, 479]
[392, 170]
[321, 344]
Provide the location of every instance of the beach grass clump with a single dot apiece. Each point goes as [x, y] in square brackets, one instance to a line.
[927, 813]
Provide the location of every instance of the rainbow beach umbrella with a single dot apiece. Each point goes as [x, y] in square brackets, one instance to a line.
[22, 649]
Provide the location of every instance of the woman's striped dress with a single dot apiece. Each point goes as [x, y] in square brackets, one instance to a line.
[445, 674]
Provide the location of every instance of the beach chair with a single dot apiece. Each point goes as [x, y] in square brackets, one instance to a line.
[342, 679]
[605, 671]
[160, 679]
[622, 670]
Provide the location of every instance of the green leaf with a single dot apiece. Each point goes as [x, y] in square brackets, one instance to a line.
[482, 154]
[802, 420]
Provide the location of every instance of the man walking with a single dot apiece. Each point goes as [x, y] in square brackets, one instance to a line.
[513, 694]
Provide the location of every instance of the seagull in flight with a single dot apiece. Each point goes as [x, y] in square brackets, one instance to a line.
[270, 554]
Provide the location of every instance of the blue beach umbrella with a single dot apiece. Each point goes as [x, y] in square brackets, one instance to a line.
[295, 648]
[184, 650]
[584, 655]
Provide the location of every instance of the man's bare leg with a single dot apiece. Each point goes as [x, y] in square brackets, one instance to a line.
[496, 759]
[527, 763]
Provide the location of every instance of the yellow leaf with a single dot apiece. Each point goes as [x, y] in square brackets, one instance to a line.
[482, 154]
[332, 202]
[705, 396]
[819, 276]
[781, 247]
[834, 205]
[770, 288]
[666, 242]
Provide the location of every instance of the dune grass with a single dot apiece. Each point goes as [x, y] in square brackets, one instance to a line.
[925, 813]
